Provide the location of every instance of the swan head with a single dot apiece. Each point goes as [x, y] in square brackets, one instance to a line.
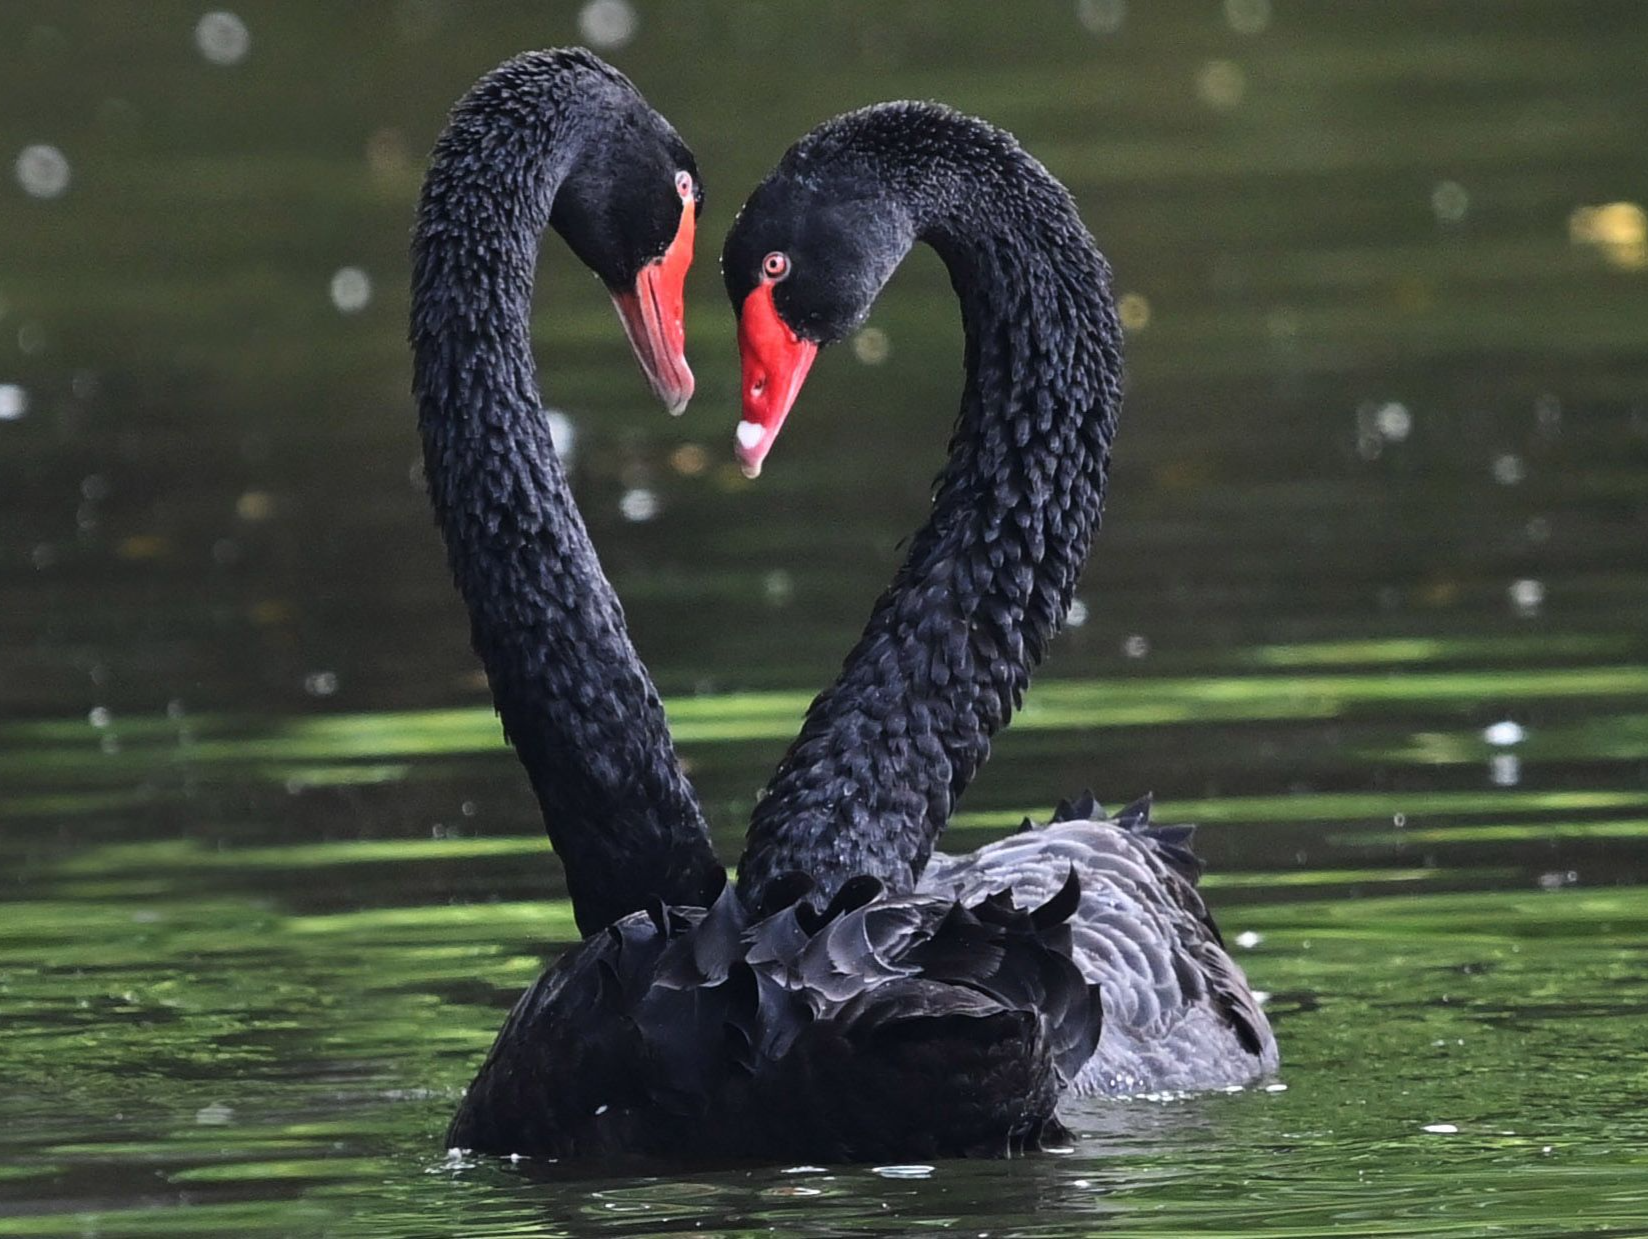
[804, 262]
[628, 209]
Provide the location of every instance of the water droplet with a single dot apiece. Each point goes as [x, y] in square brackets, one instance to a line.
[689, 460]
[1077, 615]
[14, 402]
[1504, 770]
[1441, 1129]
[222, 38]
[1102, 16]
[1503, 733]
[1248, 939]
[1527, 596]
[639, 504]
[1509, 469]
[1136, 646]
[42, 171]
[320, 683]
[1449, 202]
[1538, 530]
[351, 290]
[871, 346]
[608, 23]
[1134, 311]
[1247, 16]
[100, 717]
[215, 1115]
[255, 506]
[778, 587]
[1221, 84]
[1276, 1088]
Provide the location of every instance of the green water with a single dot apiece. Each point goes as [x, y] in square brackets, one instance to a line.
[269, 880]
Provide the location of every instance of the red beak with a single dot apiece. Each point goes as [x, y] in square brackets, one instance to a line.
[775, 362]
[654, 316]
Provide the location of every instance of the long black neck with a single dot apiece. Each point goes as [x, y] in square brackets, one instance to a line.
[947, 654]
[574, 698]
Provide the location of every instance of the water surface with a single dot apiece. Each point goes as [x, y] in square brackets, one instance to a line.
[1368, 603]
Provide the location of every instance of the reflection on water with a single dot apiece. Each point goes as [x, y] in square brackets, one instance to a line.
[1367, 604]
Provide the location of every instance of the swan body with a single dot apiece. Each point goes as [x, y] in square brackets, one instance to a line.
[885, 1027]
[886, 751]
[686, 1025]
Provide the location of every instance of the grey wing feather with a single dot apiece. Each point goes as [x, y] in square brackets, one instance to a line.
[1178, 1011]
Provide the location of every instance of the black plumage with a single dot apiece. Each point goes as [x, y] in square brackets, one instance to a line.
[884, 1025]
[886, 751]
[574, 698]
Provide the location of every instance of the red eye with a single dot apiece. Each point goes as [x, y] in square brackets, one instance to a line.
[683, 185]
[776, 265]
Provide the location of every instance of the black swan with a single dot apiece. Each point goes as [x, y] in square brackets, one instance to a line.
[886, 750]
[876, 1026]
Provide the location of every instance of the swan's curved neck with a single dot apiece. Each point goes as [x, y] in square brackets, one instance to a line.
[945, 659]
[574, 698]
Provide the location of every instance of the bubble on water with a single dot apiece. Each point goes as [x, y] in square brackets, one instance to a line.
[222, 38]
[1527, 596]
[1136, 646]
[43, 171]
[1399, 820]
[608, 23]
[1449, 202]
[911, 1171]
[639, 504]
[1077, 615]
[1557, 879]
[1504, 770]
[1248, 939]
[1102, 16]
[1504, 733]
[321, 683]
[1509, 469]
[1247, 16]
[100, 717]
[871, 346]
[1221, 84]
[14, 402]
[351, 290]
